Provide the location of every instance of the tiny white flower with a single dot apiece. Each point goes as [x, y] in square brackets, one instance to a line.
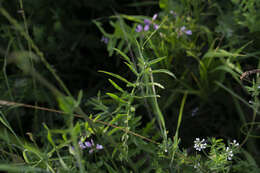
[229, 153]
[200, 144]
[235, 143]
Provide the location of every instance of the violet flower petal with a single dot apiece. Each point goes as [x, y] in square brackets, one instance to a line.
[188, 32]
[147, 22]
[88, 144]
[146, 27]
[154, 17]
[139, 28]
[155, 26]
[99, 147]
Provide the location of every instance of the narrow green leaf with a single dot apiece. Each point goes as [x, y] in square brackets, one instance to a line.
[7, 125]
[234, 94]
[123, 55]
[146, 96]
[49, 136]
[156, 84]
[115, 97]
[118, 77]
[130, 66]
[176, 136]
[164, 71]
[116, 86]
[154, 61]
[220, 53]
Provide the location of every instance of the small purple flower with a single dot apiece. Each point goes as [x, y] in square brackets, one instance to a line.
[188, 32]
[90, 151]
[139, 28]
[154, 17]
[184, 30]
[146, 27]
[92, 142]
[155, 26]
[104, 39]
[81, 145]
[99, 147]
[88, 144]
[147, 22]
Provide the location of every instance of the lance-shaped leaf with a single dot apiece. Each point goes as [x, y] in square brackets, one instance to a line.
[123, 55]
[154, 61]
[116, 86]
[164, 71]
[132, 68]
[118, 77]
[115, 97]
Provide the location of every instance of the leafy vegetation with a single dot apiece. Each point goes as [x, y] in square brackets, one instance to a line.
[167, 86]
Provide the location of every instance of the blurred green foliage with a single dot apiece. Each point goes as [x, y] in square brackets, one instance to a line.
[171, 78]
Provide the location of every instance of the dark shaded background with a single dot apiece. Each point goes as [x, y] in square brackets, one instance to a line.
[70, 41]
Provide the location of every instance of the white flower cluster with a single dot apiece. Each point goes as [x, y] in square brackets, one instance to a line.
[234, 143]
[200, 144]
[229, 151]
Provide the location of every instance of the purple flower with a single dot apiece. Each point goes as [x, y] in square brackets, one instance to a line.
[104, 39]
[147, 22]
[99, 147]
[139, 28]
[90, 151]
[188, 32]
[92, 142]
[81, 145]
[88, 144]
[154, 17]
[155, 26]
[146, 27]
[184, 30]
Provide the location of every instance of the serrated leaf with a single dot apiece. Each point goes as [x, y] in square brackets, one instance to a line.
[164, 71]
